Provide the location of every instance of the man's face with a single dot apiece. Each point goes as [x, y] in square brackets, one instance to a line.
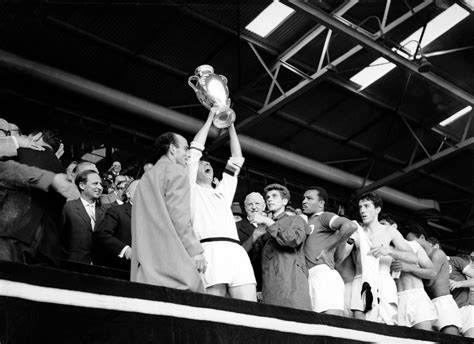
[311, 203]
[181, 151]
[367, 211]
[92, 188]
[117, 166]
[254, 204]
[121, 189]
[205, 173]
[275, 203]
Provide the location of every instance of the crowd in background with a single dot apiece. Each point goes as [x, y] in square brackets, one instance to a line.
[180, 227]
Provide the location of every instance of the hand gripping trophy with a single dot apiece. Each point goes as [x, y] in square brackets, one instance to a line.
[212, 92]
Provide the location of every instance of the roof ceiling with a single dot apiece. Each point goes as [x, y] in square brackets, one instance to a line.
[148, 49]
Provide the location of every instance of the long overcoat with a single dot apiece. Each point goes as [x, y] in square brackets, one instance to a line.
[163, 240]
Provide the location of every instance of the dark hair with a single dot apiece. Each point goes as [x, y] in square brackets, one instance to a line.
[82, 177]
[387, 217]
[322, 194]
[416, 230]
[50, 137]
[284, 192]
[373, 197]
[163, 142]
[432, 240]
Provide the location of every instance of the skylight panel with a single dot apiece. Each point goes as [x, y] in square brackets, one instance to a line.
[456, 116]
[434, 29]
[270, 18]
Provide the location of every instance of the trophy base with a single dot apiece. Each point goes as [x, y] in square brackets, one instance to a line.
[223, 118]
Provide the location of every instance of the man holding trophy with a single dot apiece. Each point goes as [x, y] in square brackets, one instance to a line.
[229, 270]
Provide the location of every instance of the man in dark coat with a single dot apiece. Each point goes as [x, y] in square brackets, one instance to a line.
[285, 277]
[250, 235]
[80, 218]
[113, 235]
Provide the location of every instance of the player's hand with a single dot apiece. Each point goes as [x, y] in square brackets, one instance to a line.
[398, 266]
[128, 253]
[379, 251]
[258, 232]
[325, 257]
[453, 285]
[200, 263]
[29, 142]
[259, 218]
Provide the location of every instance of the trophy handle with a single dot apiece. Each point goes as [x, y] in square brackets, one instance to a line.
[223, 78]
[193, 85]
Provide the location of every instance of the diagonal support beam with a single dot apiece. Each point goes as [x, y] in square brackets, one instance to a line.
[368, 43]
[416, 166]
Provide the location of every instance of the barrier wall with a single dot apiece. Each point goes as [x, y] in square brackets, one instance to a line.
[42, 305]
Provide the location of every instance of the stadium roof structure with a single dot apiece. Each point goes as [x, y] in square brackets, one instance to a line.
[114, 74]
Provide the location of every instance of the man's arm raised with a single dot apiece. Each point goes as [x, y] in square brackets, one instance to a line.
[235, 149]
[201, 136]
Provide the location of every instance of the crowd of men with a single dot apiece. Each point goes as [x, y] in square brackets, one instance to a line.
[175, 227]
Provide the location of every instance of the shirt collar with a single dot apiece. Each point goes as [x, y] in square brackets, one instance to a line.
[87, 204]
[317, 214]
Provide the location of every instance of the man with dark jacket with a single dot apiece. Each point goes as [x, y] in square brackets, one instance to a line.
[113, 235]
[285, 277]
[250, 234]
[80, 218]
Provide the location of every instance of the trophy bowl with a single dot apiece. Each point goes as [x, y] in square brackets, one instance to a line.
[212, 92]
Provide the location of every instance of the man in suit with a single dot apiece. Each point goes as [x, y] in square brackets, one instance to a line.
[80, 218]
[115, 197]
[250, 234]
[166, 250]
[30, 219]
[113, 234]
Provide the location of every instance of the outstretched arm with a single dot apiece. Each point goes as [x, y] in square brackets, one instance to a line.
[235, 150]
[401, 251]
[425, 268]
[201, 135]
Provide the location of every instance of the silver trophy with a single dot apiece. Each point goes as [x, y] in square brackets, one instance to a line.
[212, 92]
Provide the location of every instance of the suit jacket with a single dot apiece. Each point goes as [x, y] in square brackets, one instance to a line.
[163, 239]
[245, 230]
[108, 200]
[77, 236]
[113, 234]
[33, 215]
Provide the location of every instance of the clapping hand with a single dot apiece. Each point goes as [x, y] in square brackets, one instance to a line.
[378, 251]
[258, 218]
